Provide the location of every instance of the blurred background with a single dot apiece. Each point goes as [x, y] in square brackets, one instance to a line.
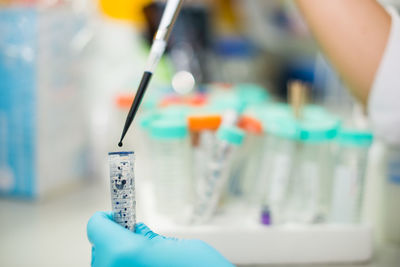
[242, 97]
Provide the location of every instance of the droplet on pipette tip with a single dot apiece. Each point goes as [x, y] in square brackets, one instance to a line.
[120, 144]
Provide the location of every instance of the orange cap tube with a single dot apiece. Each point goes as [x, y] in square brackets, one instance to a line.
[199, 123]
[250, 125]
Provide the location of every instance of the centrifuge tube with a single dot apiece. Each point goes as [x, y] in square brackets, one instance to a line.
[122, 182]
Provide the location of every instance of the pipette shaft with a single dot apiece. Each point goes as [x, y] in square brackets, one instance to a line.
[168, 19]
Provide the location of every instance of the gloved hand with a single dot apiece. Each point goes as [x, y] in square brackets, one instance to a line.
[115, 246]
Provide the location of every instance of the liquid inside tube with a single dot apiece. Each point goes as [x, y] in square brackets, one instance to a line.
[122, 181]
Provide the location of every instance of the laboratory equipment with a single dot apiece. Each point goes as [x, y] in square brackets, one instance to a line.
[202, 126]
[232, 100]
[168, 19]
[349, 174]
[266, 215]
[202, 123]
[391, 196]
[143, 144]
[236, 220]
[113, 244]
[216, 173]
[280, 153]
[257, 158]
[252, 94]
[224, 100]
[246, 165]
[248, 162]
[173, 185]
[190, 41]
[145, 126]
[178, 112]
[41, 101]
[122, 181]
[310, 182]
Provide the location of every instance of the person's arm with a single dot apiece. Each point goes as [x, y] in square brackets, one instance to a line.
[353, 35]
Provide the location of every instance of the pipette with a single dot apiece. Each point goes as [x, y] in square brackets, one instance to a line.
[168, 19]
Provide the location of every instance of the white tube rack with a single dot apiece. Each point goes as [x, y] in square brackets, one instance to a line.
[238, 236]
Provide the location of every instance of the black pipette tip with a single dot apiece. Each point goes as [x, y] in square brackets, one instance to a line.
[136, 102]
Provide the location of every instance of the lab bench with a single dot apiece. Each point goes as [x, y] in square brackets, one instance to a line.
[52, 232]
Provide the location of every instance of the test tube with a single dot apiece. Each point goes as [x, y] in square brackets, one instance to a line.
[122, 182]
[212, 182]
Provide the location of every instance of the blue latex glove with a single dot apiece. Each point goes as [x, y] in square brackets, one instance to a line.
[115, 246]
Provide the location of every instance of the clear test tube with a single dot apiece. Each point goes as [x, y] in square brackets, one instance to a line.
[349, 175]
[216, 174]
[248, 165]
[122, 182]
[271, 188]
[202, 128]
[310, 182]
[172, 168]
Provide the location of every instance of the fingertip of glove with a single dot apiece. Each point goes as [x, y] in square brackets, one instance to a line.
[141, 228]
[99, 216]
[97, 220]
[145, 231]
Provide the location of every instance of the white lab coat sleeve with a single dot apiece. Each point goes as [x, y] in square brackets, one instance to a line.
[384, 100]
